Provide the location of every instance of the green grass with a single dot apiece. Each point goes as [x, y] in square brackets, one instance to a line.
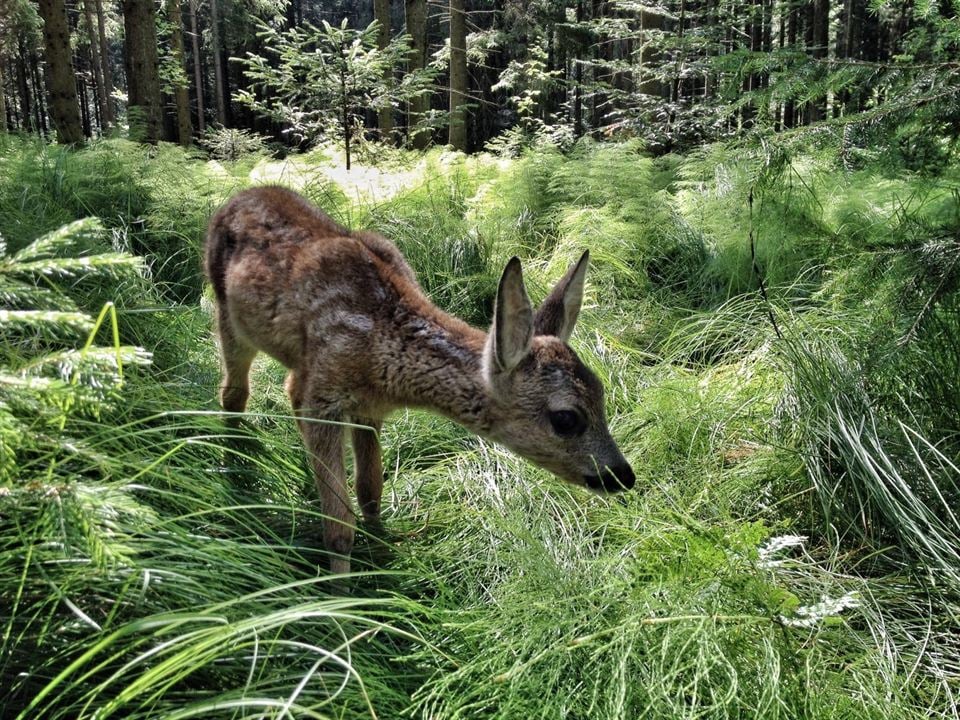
[790, 550]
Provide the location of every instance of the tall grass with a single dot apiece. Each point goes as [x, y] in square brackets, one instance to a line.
[790, 551]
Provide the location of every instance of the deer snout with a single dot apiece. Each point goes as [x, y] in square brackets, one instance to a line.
[612, 479]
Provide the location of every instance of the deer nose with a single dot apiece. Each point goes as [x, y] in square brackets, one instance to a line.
[613, 479]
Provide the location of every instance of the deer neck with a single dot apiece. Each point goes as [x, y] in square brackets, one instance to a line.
[438, 366]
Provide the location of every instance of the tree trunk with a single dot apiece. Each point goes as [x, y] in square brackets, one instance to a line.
[345, 111]
[81, 86]
[23, 90]
[60, 80]
[181, 92]
[819, 36]
[217, 64]
[110, 116]
[416, 13]
[12, 107]
[197, 68]
[649, 85]
[789, 106]
[143, 79]
[381, 13]
[578, 82]
[3, 100]
[96, 64]
[457, 135]
[601, 76]
[39, 108]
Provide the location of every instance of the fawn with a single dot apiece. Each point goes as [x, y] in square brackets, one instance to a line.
[343, 311]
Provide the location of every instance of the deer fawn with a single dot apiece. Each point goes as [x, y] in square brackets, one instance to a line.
[343, 311]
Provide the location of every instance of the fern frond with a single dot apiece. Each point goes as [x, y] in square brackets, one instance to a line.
[46, 320]
[95, 367]
[83, 233]
[18, 295]
[112, 265]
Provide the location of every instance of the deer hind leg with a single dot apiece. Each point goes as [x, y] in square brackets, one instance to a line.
[294, 388]
[369, 469]
[236, 358]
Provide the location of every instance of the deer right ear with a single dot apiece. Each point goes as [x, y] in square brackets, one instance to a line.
[512, 331]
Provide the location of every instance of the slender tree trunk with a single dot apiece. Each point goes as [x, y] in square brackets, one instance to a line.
[457, 135]
[197, 67]
[294, 17]
[61, 84]
[181, 92]
[23, 90]
[95, 110]
[12, 107]
[381, 13]
[216, 51]
[345, 111]
[106, 71]
[752, 30]
[789, 106]
[3, 100]
[819, 37]
[81, 86]
[601, 54]
[416, 14]
[578, 82]
[95, 63]
[36, 83]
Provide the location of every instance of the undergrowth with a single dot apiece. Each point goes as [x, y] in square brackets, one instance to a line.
[789, 405]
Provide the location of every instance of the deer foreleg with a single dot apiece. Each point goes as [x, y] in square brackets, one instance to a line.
[324, 443]
[369, 469]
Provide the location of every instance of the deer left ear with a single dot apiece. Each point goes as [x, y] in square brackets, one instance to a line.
[558, 313]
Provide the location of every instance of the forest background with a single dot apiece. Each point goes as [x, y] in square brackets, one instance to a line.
[771, 195]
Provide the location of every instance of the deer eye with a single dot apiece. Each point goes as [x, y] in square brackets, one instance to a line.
[567, 423]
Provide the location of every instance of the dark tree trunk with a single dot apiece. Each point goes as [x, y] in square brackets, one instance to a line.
[107, 72]
[36, 84]
[23, 90]
[13, 109]
[197, 66]
[181, 92]
[218, 70]
[601, 53]
[61, 83]
[457, 136]
[789, 107]
[294, 14]
[381, 13]
[84, 105]
[416, 14]
[819, 36]
[753, 29]
[4, 120]
[578, 83]
[143, 79]
[96, 66]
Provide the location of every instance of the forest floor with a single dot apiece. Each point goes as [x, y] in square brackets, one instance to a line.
[362, 184]
[790, 550]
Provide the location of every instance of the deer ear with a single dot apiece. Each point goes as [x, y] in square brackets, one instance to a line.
[558, 313]
[512, 330]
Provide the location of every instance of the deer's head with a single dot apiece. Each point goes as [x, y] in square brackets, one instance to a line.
[548, 404]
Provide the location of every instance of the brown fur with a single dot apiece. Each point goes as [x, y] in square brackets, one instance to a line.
[343, 311]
